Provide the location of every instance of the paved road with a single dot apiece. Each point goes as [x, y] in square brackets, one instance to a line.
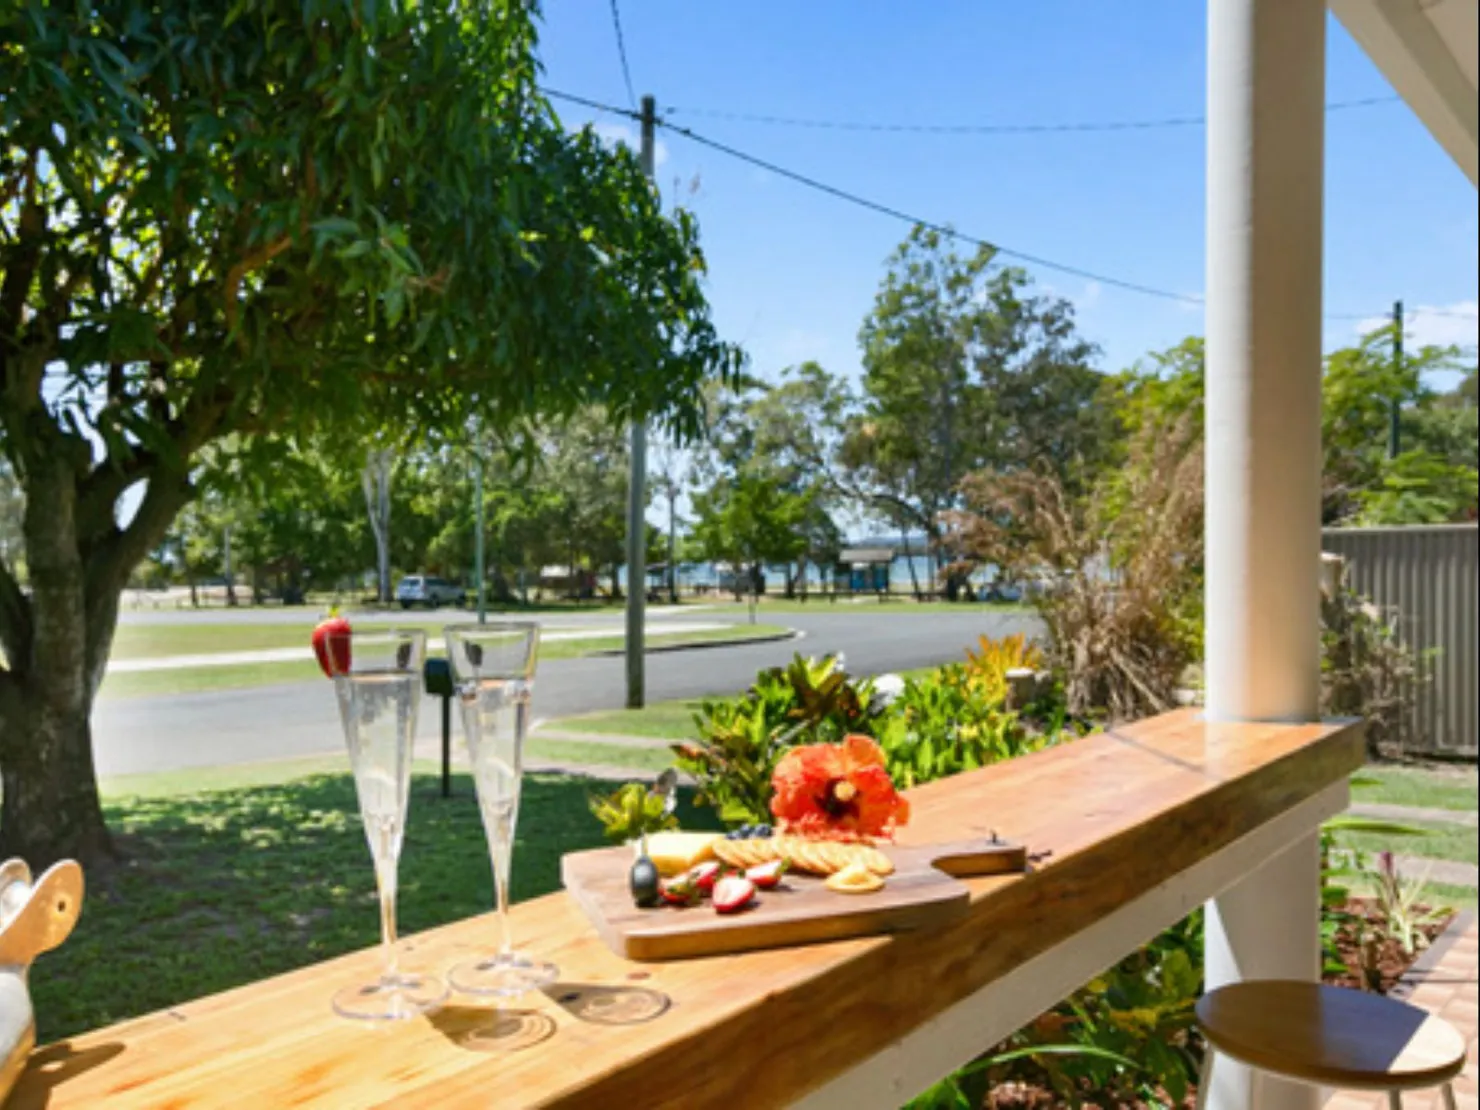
[272, 722]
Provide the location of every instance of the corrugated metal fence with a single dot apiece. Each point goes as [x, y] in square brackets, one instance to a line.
[1426, 576]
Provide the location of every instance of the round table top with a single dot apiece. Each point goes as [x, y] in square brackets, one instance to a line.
[1330, 1035]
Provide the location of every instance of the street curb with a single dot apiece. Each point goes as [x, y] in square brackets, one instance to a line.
[701, 645]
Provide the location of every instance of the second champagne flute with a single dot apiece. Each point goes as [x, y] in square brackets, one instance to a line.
[493, 675]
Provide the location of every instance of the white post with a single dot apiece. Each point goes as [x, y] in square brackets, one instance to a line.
[1266, 140]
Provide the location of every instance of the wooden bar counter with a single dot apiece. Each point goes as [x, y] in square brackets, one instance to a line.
[1139, 825]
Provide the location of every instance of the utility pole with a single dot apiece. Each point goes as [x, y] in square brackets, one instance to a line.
[637, 497]
[478, 526]
[1394, 430]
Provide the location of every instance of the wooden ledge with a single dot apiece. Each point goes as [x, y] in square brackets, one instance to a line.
[1118, 815]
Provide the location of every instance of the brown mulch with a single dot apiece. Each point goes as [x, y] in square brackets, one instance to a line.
[1382, 965]
[1390, 963]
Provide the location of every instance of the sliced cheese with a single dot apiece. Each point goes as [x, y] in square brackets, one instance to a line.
[854, 879]
[673, 853]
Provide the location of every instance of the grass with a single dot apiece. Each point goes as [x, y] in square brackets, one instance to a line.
[612, 755]
[664, 720]
[189, 680]
[1450, 842]
[226, 886]
[1445, 788]
[195, 680]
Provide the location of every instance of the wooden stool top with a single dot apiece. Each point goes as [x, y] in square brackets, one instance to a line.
[1321, 1034]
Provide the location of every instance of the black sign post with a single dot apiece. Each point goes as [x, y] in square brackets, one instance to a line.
[437, 678]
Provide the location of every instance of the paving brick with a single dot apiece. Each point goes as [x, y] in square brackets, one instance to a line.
[1451, 989]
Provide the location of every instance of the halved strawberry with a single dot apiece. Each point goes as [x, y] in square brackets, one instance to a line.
[331, 645]
[681, 890]
[705, 875]
[733, 893]
[767, 875]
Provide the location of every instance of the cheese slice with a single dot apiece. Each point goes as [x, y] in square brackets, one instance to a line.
[673, 853]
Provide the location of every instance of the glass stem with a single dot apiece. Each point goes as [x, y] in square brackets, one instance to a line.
[501, 862]
[385, 880]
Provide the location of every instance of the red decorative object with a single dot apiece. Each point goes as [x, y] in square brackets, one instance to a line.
[841, 791]
[331, 645]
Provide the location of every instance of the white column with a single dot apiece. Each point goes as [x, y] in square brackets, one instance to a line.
[1266, 139]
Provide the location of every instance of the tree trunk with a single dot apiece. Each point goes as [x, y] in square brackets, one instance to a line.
[376, 481]
[909, 561]
[51, 808]
[616, 584]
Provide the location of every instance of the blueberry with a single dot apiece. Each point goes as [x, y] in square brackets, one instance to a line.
[733, 834]
[744, 832]
[763, 831]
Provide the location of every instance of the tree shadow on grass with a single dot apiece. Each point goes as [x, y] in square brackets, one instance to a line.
[223, 887]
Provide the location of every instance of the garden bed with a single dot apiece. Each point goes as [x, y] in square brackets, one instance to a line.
[1384, 954]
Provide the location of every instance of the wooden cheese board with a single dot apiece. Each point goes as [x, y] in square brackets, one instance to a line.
[922, 891]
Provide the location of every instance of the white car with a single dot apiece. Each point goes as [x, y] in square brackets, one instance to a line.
[423, 589]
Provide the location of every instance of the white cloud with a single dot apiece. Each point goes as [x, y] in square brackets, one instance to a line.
[1090, 296]
[615, 133]
[1454, 324]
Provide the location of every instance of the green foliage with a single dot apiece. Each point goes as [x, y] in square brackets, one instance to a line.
[1418, 487]
[951, 722]
[965, 367]
[631, 812]
[740, 740]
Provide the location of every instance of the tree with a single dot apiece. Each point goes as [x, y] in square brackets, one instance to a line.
[1359, 389]
[375, 481]
[748, 521]
[964, 368]
[278, 219]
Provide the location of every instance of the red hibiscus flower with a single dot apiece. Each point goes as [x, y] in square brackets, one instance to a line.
[837, 790]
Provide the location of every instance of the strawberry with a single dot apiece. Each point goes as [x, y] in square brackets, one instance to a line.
[767, 875]
[331, 644]
[733, 894]
[679, 891]
[705, 875]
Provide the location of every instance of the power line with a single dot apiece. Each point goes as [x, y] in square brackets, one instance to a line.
[622, 53]
[990, 128]
[899, 214]
[943, 229]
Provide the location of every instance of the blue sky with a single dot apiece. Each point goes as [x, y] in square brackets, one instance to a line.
[793, 272]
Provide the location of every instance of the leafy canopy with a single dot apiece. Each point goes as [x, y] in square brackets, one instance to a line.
[275, 217]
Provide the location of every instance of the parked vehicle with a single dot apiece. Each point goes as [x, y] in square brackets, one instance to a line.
[423, 589]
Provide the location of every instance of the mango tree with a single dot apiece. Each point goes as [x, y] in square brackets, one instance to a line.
[226, 225]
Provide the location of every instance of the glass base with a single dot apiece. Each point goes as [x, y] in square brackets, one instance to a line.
[506, 976]
[394, 999]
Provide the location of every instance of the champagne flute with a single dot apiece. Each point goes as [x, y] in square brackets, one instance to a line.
[493, 673]
[378, 679]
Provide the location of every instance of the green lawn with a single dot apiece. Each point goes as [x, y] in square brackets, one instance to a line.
[189, 680]
[1438, 788]
[663, 720]
[1452, 842]
[225, 886]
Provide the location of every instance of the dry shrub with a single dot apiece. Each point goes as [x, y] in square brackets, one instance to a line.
[1120, 570]
[1366, 670]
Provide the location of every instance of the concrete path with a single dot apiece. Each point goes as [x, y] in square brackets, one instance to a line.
[1381, 811]
[1447, 871]
[305, 654]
